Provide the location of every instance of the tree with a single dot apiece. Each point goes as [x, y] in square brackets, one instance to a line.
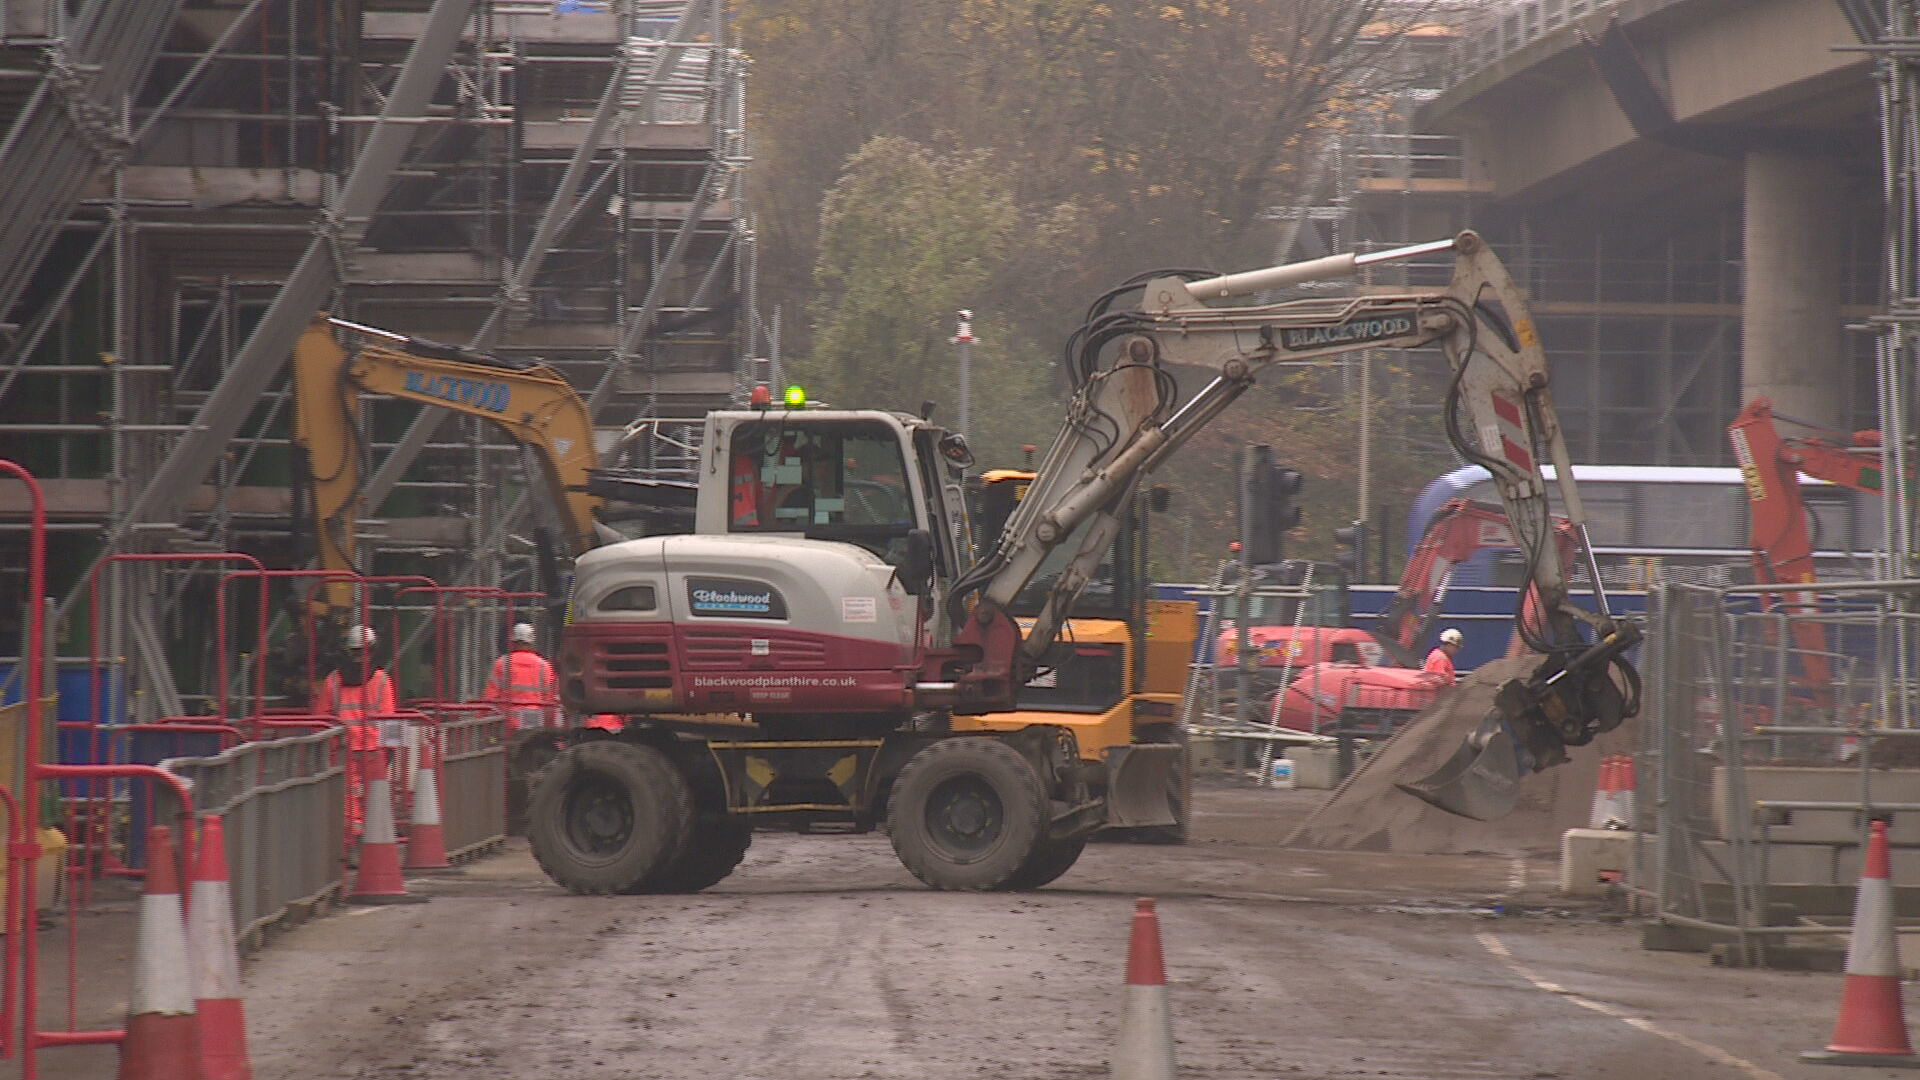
[907, 237]
[1017, 157]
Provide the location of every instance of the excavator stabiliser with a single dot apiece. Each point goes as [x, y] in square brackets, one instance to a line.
[1530, 726]
[1139, 780]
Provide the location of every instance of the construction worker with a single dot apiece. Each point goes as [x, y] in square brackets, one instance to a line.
[522, 680]
[354, 693]
[1440, 660]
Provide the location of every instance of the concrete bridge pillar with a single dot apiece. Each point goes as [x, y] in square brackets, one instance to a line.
[1790, 323]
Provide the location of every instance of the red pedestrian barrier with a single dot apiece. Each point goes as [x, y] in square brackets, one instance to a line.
[163, 1039]
[1145, 1050]
[216, 962]
[1872, 1028]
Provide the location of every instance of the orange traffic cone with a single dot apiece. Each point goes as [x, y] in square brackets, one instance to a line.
[1872, 1029]
[1602, 796]
[378, 880]
[216, 961]
[162, 1041]
[426, 835]
[1146, 1023]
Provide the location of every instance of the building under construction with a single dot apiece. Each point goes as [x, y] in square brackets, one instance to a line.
[191, 179]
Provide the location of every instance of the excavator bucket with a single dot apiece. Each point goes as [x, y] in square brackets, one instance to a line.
[1481, 780]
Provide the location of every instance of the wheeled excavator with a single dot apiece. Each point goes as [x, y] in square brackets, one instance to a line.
[829, 592]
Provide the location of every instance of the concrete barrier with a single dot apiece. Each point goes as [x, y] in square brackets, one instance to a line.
[1315, 767]
[1591, 858]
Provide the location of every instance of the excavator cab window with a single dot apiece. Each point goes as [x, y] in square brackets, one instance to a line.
[827, 480]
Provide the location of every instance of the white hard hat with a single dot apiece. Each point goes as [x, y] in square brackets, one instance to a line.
[359, 637]
[521, 632]
[1450, 636]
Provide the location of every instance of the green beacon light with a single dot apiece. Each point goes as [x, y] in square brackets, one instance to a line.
[796, 397]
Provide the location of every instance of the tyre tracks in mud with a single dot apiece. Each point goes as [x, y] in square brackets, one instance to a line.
[822, 959]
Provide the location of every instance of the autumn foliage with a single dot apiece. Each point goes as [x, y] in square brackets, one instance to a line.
[1018, 157]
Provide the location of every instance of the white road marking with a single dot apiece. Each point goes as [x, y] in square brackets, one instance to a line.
[1711, 1052]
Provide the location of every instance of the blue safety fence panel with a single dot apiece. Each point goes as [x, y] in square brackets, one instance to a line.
[152, 748]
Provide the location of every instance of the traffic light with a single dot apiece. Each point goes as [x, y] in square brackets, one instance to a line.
[1269, 504]
[1352, 557]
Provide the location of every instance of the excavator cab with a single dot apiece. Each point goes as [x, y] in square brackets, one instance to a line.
[835, 481]
[885, 481]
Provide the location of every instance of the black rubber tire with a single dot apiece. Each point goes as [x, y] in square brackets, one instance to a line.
[1050, 859]
[966, 814]
[712, 852]
[606, 816]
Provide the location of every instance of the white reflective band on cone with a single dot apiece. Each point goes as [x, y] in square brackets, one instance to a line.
[1145, 1049]
[379, 813]
[160, 974]
[426, 798]
[1875, 952]
[216, 963]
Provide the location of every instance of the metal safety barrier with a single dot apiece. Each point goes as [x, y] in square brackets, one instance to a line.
[473, 782]
[280, 804]
[1780, 720]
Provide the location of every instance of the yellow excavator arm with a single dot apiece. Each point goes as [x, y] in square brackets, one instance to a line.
[534, 405]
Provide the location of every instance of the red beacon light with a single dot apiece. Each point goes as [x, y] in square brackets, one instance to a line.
[762, 396]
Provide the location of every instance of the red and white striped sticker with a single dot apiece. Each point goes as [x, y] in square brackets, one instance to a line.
[1508, 437]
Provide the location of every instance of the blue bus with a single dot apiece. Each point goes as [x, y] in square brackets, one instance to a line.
[1667, 523]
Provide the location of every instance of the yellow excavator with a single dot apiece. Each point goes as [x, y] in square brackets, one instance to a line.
[1116, 676]
[530, 402]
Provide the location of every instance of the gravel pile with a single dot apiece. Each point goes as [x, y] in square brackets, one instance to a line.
[1368, 813]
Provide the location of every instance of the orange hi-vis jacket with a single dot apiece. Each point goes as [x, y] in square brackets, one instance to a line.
[355, 704]
[523, 681]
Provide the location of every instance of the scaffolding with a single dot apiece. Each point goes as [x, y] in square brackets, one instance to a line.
[563, 183]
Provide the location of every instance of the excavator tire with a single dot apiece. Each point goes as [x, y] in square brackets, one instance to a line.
[1049, 860]
[967, 813]
[608, 815]
[713, 851]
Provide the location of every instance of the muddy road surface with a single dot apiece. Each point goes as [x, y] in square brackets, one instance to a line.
[821, 959]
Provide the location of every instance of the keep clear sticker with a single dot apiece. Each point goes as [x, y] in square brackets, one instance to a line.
[859, 609]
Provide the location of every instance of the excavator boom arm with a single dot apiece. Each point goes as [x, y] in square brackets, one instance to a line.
[1123, 421]
[534, 405]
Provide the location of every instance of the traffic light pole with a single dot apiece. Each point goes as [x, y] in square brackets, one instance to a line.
[1246, 664]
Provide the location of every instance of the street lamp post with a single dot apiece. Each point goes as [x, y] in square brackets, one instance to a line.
[963, 337]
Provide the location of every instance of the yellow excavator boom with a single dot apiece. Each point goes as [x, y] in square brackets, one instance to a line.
[535, 405]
